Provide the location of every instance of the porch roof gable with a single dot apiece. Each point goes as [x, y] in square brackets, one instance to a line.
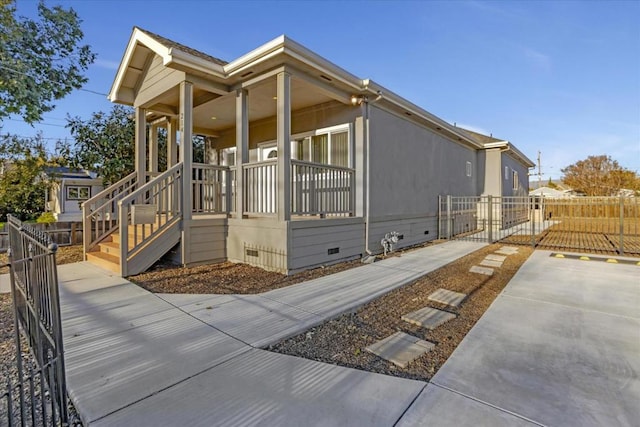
[232, 73]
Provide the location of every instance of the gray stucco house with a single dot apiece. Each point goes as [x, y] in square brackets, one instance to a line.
[305, 163]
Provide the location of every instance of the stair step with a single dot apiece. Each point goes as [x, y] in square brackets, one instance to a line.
[106, 261]
[110, 248]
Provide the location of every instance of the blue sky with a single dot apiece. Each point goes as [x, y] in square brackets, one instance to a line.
[559, 77]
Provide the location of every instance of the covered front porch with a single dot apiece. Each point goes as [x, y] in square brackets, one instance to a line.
[246, 156]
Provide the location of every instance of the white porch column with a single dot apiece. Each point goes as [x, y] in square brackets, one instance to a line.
[242, 146]
[284, 146]
[153, 148]
[172, 143]
[186, 148]
[141, 145]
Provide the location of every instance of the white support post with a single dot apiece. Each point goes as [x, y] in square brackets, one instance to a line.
[172, 143]
[186, 146]
[141, 144]
[242, 147]
[284, 146]
[153, 149]
[186, 156]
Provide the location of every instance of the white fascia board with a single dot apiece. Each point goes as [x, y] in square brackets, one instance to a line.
[511, 149]
[289, 47]
[374, 88]
[250, 58]
[176, 56]
[136, 37]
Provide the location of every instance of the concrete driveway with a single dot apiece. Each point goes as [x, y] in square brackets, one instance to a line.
[559, 347]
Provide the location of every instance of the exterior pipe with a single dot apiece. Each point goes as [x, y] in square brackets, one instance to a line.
[368, 176]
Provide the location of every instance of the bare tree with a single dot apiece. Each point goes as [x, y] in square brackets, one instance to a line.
[600, 176]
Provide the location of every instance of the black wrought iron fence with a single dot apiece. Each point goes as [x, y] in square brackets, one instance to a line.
[35, 395]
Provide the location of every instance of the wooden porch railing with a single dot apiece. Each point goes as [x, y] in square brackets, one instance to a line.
[212, 189]
[260, 183]
[319, 189]
[100, 213]
[162, 196]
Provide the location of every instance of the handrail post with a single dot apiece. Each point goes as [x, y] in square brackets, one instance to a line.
[86, 230]
[123, 222]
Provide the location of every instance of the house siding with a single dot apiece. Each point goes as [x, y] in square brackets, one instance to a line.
[312, 240]
[410, 167]
[523, 177]
[208, 241]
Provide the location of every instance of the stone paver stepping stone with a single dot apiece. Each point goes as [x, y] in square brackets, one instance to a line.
[490, 263]
[428, 317]
[400, 348]
[505, 251]
[494, 257]
[447, 297]
[510, 248]
[481, 270]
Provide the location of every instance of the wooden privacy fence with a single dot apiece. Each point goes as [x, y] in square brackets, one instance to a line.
[60, 233]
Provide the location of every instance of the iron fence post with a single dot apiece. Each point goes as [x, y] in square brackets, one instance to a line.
[448, 217]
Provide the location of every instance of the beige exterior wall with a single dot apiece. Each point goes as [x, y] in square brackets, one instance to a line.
[262, 242]
[208, 239]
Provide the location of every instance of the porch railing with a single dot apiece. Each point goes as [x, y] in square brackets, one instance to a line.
[260, 183]
[319, 189]
[149, 209]
[36, 308]
[100, 213]
[212, 189]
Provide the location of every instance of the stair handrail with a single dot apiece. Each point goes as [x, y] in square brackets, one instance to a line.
[165, 191]
[97, 223]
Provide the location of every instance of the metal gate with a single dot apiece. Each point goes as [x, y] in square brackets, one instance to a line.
[606, 225]
[36, 396]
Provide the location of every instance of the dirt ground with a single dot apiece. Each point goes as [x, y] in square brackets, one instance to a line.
[342, 341]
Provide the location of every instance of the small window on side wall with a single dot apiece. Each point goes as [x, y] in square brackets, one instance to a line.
[506, 172]
[78, 192]
[515, 180]
[469, 169]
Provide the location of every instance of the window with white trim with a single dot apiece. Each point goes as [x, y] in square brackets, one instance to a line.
[469, 169]
[506, 172]
[328, 146]
[78, 192]
[515, 180]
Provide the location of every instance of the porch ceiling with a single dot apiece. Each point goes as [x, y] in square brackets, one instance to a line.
[262, 103]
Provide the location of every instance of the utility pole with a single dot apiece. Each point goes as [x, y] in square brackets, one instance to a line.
[539, 171]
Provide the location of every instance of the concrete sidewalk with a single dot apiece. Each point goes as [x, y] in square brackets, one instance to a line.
[559, 346]
[135, 358]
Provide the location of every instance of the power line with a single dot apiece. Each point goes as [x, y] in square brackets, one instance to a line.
[49, 80]
[38, 123]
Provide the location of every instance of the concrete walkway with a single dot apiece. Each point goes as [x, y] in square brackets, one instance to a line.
[559, 347]
[136, 358]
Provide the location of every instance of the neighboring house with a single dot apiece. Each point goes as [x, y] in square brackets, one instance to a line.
[551, 193]
[305, 163]
[69, 189]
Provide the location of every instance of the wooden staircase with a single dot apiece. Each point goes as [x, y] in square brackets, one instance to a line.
[158, 241]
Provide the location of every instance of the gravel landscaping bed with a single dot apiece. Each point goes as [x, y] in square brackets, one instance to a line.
[342, 341]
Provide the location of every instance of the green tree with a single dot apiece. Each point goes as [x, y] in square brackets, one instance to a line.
[40, 60]
[600, 176]
[22, 187]
[552, 184]
[104, 143]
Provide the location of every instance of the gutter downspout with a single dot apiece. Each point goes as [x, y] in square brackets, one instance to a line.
[367, 176]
